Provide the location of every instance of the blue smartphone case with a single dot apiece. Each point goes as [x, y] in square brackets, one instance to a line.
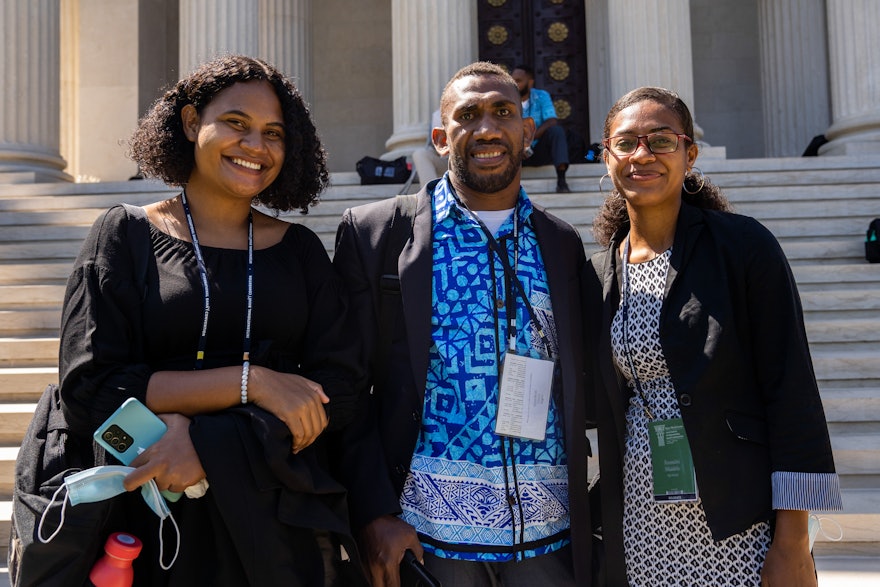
[129, 431]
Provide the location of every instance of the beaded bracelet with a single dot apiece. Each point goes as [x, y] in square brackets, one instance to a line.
[245, 370]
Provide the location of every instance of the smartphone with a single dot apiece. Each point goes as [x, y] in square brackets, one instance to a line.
[414, 574]
[129, 431]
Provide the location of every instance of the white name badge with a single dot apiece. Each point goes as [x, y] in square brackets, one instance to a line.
[524, 397]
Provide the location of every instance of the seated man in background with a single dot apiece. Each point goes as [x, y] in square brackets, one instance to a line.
[549, 145]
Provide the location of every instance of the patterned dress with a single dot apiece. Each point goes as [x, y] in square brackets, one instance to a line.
[667, 543]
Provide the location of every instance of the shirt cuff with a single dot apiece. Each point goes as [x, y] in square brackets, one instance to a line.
[806, 491]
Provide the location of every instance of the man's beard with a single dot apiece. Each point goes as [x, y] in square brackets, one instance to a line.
[486, 183]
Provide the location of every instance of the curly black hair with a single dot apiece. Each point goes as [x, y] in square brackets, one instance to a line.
[696, 189]
[162, 150]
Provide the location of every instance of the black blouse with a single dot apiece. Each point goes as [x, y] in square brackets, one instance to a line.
[114, 337]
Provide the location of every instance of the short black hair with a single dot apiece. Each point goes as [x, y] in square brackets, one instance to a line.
[478, 68]
[529, 71]
[161, 149]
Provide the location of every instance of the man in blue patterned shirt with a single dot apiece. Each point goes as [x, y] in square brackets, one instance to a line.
[470, 448]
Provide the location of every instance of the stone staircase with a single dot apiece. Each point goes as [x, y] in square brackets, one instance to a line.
[819, 208]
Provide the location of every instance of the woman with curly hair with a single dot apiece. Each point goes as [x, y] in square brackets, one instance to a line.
[713, 441]
[237, 340]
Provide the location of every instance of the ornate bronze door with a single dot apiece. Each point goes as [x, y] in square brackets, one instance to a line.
[549, 36]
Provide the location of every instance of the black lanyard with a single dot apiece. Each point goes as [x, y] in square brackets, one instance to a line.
[206, 291]
[510, 273]
[627, 350]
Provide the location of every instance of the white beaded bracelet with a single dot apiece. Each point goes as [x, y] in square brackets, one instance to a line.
[245, 370]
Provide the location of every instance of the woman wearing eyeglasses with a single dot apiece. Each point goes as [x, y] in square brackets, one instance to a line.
[713, 441]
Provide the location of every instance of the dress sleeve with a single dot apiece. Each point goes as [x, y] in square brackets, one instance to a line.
[330, 351]
[101, 360]
[802, 464]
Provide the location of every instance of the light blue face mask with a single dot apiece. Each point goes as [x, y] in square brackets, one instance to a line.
[100, 483]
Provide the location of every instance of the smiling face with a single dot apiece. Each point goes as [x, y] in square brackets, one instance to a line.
[484, 135]
[643, 178]
[239, 140]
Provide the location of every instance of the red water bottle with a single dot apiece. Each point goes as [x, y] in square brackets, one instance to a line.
[114, 568]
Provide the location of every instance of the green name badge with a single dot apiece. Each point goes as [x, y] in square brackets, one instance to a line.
[674, 476]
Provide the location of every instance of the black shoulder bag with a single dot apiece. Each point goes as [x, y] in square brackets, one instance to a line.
[48, 454]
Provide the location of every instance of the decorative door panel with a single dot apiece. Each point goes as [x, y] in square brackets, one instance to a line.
[549, 36]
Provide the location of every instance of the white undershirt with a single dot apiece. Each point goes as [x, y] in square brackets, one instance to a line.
[493, 219]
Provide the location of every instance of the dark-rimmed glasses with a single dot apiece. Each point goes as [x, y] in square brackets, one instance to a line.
[657, 142]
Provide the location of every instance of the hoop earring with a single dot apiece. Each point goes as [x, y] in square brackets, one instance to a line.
[601, 179]
[696, 172]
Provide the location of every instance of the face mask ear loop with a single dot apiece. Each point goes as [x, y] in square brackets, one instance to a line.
[162, 544]
[43, 517]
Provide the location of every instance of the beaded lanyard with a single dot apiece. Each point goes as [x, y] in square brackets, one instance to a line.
[203, 275]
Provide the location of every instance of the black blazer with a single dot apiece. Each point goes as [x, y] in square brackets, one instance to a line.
[380, 444]
[732, 332]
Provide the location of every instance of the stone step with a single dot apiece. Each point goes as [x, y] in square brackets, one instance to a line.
[854, 404]
[832, 366]
[65, 196]
[776, 201]
[859, 520]
[31, 295]
[8, 454]
[22, 233]
[24, 320]
[845, 330]
[853, 410]
[853, 227]
[855, 298]
[5, 517]
[827, 250]
[31, 351]
[848, 567]
[856, 453]
[58, 250]
[44, 218]
[859, 481]
[25, 384]
[14, 420]
[855, 275]
[23, 271]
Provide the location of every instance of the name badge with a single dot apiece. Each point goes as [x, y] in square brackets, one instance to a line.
[524, 397]
[674, 477]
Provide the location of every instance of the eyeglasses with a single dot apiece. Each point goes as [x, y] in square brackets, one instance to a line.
[657, 142]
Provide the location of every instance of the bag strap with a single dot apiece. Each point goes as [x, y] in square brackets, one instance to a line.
[138, 237]
[399, 232]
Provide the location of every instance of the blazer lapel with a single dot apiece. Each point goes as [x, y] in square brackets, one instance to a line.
[415, 269]
[557, 281]
[614, 384]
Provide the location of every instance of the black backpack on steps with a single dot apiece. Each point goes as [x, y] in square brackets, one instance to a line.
[872, 244]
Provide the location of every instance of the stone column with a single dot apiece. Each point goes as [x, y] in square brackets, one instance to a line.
[286, 40]
[211, 27]
[431, 40]
[30, 67]
[638, 56]
[853, 48]
[794, 74]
